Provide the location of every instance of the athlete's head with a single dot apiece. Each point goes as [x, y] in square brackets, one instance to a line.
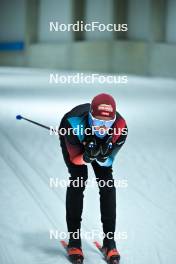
[102, 113]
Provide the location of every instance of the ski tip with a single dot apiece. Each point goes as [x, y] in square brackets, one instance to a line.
[97, 244]
[63, 243]
[19, 117]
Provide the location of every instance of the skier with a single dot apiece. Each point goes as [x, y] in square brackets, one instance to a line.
[108, 134]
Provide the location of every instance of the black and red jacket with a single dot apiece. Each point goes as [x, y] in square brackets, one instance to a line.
[78, 118]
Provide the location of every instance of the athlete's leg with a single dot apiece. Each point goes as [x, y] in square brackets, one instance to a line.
[107, 193]
[74, 195]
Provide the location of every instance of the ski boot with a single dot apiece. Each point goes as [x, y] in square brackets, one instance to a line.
[75, 252]
[110, 252]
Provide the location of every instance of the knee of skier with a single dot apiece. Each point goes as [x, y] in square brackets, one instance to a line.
[78, 177]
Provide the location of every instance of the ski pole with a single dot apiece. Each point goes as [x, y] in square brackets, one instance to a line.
[19, 117]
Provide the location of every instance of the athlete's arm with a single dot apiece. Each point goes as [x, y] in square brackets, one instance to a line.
[74, 147]
[116, 147]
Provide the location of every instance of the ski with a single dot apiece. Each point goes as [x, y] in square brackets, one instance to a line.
[73, 260]
[99, 247]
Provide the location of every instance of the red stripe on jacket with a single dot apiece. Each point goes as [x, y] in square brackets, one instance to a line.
[119, 125]
[75, 153]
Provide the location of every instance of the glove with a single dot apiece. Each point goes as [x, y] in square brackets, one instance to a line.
[92, 150]
[105, 150]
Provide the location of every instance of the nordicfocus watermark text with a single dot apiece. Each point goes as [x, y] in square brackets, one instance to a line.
[82, 78]
[55, 26]
[80, 130]
[79, 182]
[94, 234]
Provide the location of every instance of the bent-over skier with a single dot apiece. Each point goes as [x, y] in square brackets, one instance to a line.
[101, 132]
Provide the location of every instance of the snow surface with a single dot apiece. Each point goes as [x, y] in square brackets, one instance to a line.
[29, 157]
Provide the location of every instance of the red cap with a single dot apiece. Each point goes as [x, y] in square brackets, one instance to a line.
[103, 105]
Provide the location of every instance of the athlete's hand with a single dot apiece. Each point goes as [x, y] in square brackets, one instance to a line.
[92, 150]
[105, 150]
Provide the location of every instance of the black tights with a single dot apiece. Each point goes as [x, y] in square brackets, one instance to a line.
[75, 195]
